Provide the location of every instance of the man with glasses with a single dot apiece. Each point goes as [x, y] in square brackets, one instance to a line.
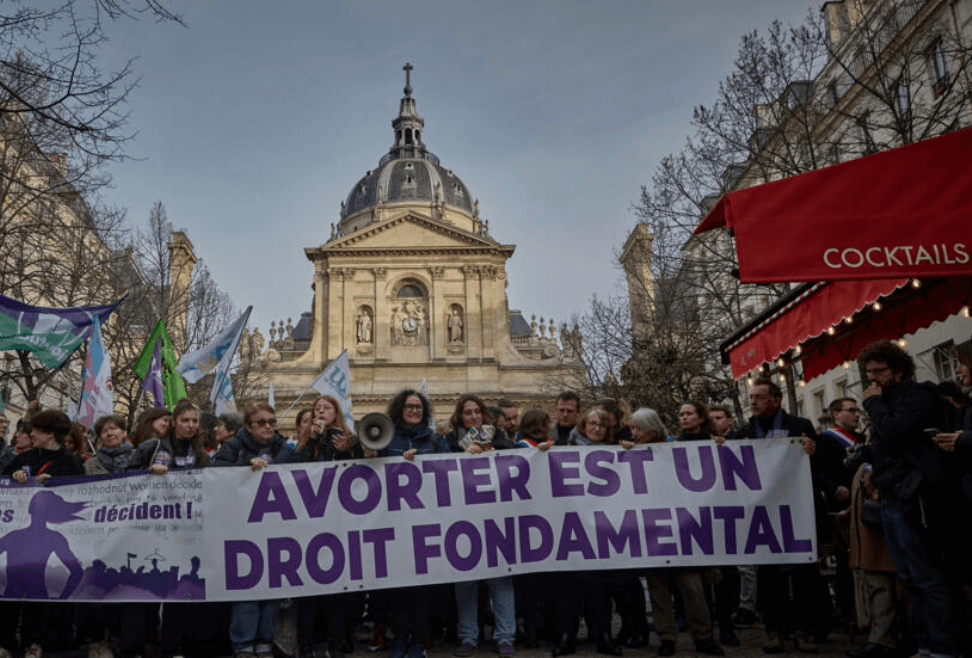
[918, 513]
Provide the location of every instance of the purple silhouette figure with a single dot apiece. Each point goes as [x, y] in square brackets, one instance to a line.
[28, 549]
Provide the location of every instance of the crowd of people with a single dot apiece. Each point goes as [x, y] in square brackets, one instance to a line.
[889, 508]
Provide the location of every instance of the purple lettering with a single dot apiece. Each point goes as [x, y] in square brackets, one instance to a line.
[314, 548]
[424, 551]
[708, 477]
[790, 543]
[346, 484]
[529, 553]
[232, 550]
[380, 538]
[280, 567]
[453, 534]
[354, 555]
[700, 530]
[472, 480]
[506, 466]
[732, 467]
[561, 468]
[729, 516]
[761, 532]
[637, 459]
[655, 532]
[608, 537]
[573, 538]
[271, 498]
[611, 482]
[407, 490]
[500, 541]
[440, 469]
[315, 502]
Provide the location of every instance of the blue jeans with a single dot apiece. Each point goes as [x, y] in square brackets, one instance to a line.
[931, 587]
[251, 626]
[504, 610]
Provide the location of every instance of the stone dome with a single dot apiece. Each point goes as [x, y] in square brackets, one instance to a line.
[408, 173]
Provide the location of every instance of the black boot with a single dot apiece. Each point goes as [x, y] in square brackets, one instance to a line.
[606, 645]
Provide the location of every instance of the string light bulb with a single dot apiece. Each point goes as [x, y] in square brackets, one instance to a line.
[849, 320]
[902, 343]
[876, 306]
[831, 331]
[780, 362]
[916, 283]
[845, 365]
[782, 378]
[965, 312]
[749, 381]
[801, 383]
[798, 350]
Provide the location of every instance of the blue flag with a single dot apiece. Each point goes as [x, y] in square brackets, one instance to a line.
[52, 334]
[97, 395]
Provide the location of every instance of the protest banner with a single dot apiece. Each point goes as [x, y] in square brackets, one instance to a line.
[309, 529]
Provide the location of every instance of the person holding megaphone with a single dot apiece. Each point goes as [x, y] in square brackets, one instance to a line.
[327, 439]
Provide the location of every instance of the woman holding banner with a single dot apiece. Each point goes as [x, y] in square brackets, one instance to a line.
[408, 607]
[323, 435]
[257, 444]
[181, 448]
[588, 587]
[472, 434]
[694, 420]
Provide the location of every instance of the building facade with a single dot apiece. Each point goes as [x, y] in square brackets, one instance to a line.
[412, 284]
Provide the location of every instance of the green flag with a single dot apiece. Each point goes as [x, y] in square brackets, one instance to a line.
[173, 386]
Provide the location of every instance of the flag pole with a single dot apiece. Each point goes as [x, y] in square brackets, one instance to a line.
[299, 398]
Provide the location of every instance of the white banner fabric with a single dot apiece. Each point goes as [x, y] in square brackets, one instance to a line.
[308, 529]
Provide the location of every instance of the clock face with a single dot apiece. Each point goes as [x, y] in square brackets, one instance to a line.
[409, 325]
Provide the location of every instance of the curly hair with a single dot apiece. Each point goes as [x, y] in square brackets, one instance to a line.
[456, 420]
[888, 352]
[397, 406]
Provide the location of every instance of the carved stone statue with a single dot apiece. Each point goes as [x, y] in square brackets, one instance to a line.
[455, 327]
[364, 328]
[258, 342]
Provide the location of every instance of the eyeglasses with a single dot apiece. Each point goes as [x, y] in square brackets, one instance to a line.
[263, 422]
[413, 407]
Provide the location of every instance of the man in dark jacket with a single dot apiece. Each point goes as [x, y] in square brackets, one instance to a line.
[911, 476]
[775, 582]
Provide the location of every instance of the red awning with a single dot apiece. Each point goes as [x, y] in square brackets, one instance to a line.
[906, 212]
[806, 319]
[809, 315]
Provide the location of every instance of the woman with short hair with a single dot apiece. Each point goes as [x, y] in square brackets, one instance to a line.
[113, 451]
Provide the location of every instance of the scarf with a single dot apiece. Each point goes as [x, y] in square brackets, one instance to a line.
[413, 434]
[115, 459]
[775, 431]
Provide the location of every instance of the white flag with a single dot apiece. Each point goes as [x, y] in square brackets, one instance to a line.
[225, 400]
[336, 382]
[271, 399]
[193, 366]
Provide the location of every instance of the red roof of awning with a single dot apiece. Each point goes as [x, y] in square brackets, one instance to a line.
[805, 320]
[905, 212]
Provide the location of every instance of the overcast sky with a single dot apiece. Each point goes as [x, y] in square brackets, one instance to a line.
[254, 123]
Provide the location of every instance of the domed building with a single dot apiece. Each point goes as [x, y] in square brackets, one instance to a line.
[413, 286]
